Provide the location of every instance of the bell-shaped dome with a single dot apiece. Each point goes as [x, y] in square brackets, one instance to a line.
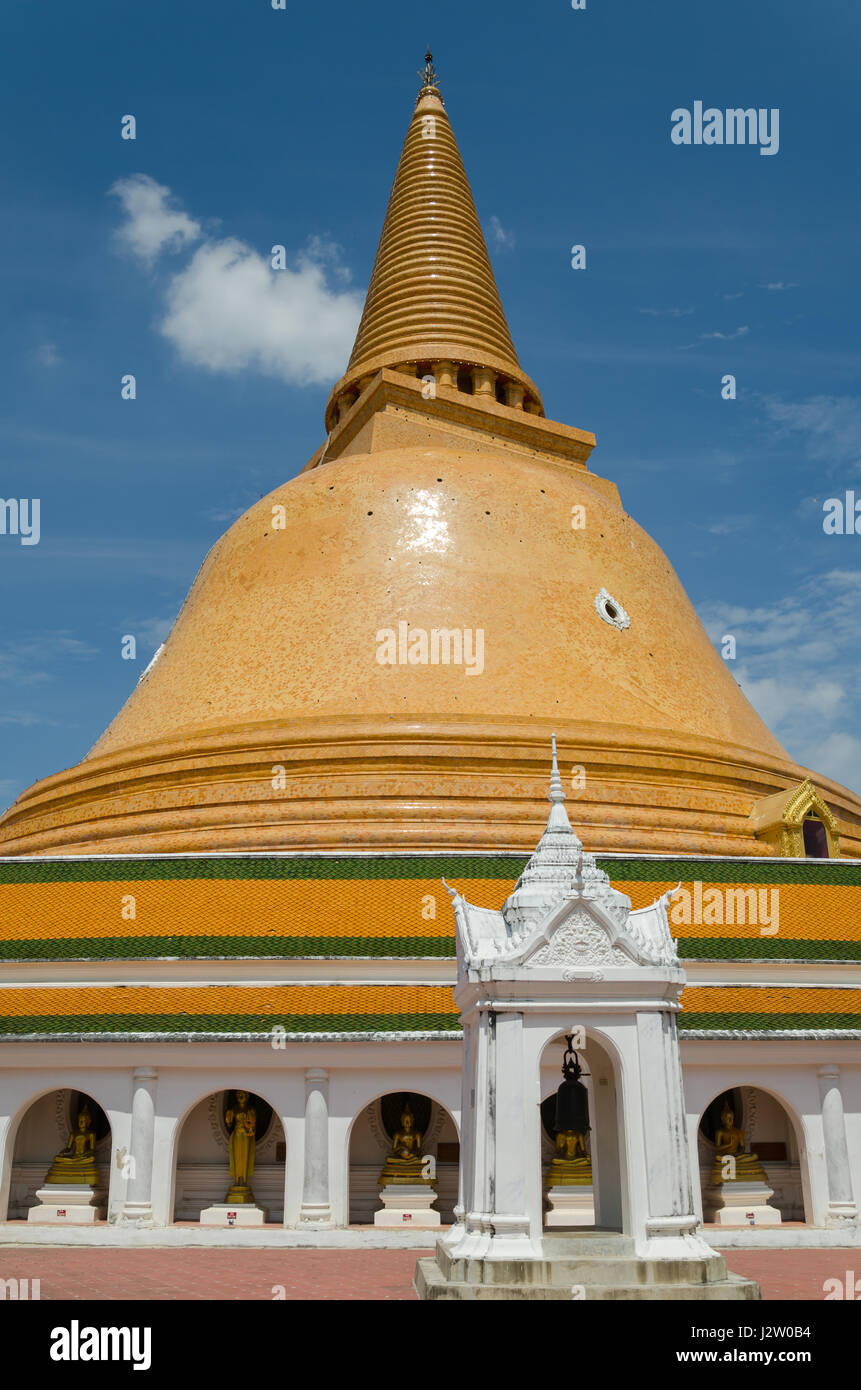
[376, 654]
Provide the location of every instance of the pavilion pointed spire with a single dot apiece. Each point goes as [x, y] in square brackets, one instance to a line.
[433, 304]
[557, 821]
[555, 794]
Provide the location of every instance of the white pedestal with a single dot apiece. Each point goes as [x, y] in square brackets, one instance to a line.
[407, 1205]
[243, 1214]
[570, 1206]
[75, 1205]
[316, 1214]
[740, 1204]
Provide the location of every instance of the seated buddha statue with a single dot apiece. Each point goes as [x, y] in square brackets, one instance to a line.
[570, 1166]
[76, 1163]
[404, 1163]
[729, 1142]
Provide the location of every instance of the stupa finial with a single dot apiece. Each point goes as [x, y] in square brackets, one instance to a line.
[556, 794]
[430, 81]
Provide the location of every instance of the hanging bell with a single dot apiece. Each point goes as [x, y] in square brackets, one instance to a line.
[572, 1098]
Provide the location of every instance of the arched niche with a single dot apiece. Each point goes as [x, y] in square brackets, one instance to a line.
[202, 1175]
[370, 1140]
[43, 1131]
[601, 1079]
[797, 823]
[771, 1131]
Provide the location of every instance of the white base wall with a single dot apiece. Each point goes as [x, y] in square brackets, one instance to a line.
[184, 1180]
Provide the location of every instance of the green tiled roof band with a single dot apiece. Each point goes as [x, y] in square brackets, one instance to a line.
[230, 1023]
[379, 947]
[209, 947]
[465, 867]
[692, 1022]
[376, 1023]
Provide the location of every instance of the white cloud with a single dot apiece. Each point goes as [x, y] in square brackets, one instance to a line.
[674, 313]
[47, 355]
[735, 294]
[780, 285]
[9, 789]
[151, 224]
[830, 425]
[728, 525]
[799, 663]
[727, 337]
[23, 719]
[230, 513]
[502, 239]
[228, 310]
[152, 631]
[839, 751]
[25, 661]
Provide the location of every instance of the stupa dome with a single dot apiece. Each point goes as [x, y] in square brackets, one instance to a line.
[376, 654]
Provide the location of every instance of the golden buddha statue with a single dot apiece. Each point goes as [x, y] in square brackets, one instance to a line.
[404, 1163]
[76, 1163]
[241, 1120]
[570, 1166]
[729, 1143]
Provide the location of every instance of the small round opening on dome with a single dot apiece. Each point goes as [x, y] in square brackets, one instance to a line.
[611, 610]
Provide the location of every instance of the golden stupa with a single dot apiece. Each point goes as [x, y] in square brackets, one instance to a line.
[442, 499]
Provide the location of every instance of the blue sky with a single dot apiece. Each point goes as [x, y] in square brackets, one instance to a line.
[257, 127]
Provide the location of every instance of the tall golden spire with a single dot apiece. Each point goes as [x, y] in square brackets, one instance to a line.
[432, 297]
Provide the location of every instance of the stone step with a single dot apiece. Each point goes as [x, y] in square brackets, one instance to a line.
[593, 1242]
[605, 1270]
[609, 1261]
[567, 1246]
[431, 1283]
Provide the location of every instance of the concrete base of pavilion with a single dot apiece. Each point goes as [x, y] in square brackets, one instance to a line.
[584, 1266]
[275, 1236]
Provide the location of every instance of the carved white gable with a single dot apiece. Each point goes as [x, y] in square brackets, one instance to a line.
[580, 940]
[564, 913]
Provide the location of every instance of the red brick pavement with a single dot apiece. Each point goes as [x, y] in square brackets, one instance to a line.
[239, 1275]
[793, 1273]
[214, 1274]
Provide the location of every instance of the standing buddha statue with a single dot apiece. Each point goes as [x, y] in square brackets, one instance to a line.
[241, 1120]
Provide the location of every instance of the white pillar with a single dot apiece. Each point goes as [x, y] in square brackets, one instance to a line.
[137, 1208]
[841, 1210]
[316, 1206]
[513, 1225]
[669, 1211]
[466, 1080]
[606, 1150]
